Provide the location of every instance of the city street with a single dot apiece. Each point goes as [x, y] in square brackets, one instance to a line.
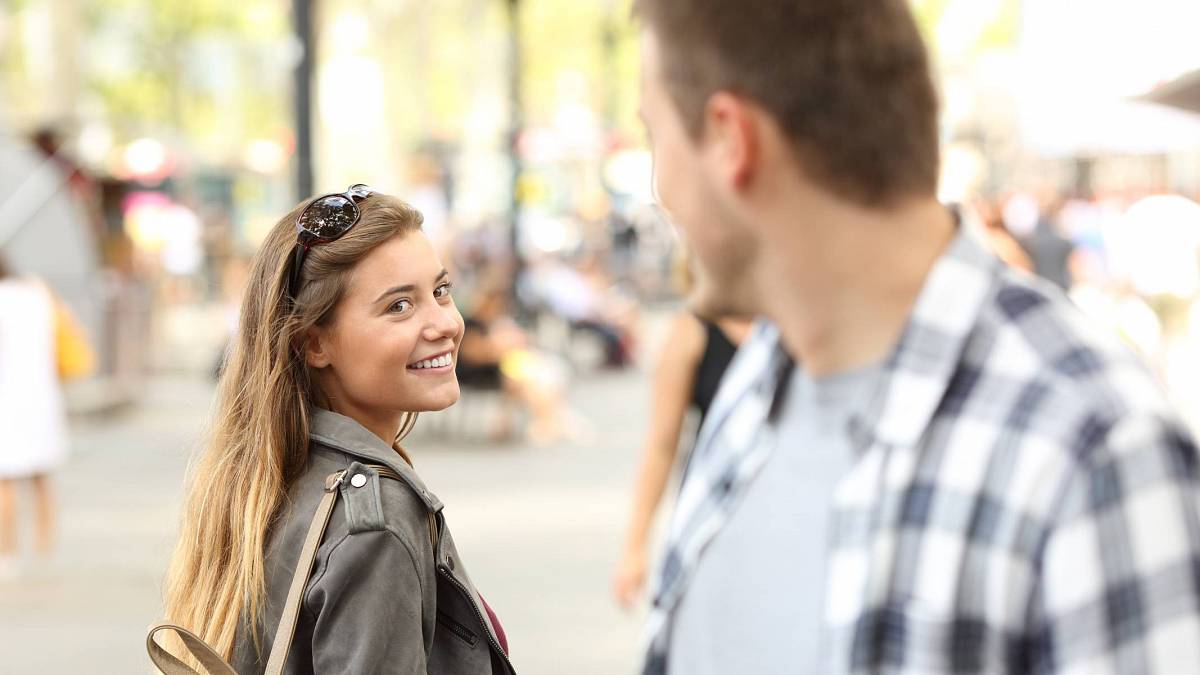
[538, 527]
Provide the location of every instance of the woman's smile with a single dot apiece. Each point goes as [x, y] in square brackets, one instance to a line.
[442, 362]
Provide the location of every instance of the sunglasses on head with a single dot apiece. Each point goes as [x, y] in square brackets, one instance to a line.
[324, 219]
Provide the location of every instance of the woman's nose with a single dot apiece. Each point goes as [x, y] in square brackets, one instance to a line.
[444, 322]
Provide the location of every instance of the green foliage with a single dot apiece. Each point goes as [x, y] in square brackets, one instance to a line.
[1000, 32]
[144, 63]
[158, 87]
[596, 39]
[1004, 29]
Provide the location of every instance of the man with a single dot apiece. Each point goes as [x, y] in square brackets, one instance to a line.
[926, 462]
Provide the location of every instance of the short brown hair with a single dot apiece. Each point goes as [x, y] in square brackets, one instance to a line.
[848, 81]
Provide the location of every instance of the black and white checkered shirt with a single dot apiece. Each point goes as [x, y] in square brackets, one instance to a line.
[1023, 499]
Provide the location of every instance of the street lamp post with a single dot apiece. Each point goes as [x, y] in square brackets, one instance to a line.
[302, 12]
[516, 121]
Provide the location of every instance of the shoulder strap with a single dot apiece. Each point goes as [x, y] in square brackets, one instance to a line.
[206, 655]
[286, 630]
[199, 649]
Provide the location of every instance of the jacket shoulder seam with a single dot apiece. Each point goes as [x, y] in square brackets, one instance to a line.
[316, 580]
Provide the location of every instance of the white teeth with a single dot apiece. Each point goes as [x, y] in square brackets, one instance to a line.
[439, 362]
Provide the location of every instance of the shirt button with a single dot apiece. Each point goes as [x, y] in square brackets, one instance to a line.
[450, 562]
[358, 480]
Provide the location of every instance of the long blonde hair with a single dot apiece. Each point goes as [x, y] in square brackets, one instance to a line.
[258, 442]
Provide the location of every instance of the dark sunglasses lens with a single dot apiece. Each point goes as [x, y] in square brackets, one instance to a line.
[329, 217]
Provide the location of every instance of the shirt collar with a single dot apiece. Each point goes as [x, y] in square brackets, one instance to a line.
[345, 434]
[920, 368]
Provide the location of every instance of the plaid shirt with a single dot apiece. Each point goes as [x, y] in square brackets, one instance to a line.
[1023, 499]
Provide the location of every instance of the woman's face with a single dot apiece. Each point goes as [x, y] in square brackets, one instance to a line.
[394, 337]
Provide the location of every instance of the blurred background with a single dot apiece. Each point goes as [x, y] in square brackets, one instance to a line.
[147, 147]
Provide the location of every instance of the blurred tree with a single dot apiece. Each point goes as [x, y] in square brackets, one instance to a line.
[973, 27]
[202, 68]
[212, 72]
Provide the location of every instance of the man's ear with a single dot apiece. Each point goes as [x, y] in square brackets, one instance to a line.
[731, 135]
[316, 348]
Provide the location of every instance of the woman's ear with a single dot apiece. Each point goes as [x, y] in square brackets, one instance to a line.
[316, 348]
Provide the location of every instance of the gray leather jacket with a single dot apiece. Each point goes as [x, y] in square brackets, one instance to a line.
[383, 596]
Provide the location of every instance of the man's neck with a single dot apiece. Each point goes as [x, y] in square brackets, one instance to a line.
[850, 277]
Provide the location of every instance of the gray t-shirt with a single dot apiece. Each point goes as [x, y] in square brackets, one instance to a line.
[756, 600]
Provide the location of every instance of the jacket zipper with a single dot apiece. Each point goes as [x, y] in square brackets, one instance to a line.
[450, 624]
[387, 472]
[479, 615]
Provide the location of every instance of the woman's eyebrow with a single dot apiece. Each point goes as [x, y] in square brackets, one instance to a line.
[409, 288]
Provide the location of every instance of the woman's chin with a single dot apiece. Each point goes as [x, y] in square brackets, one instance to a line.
[441, 399]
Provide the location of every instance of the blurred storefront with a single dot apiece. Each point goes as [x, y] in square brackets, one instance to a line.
[183, 112]
[512, 125]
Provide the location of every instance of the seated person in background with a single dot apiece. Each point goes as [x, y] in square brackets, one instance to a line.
[587, 299]
[495, 354]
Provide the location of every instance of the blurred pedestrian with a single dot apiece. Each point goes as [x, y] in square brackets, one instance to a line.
[32, 415]
[587, 299]
[926, 461]
[347, 331]
[1000, 239]
[1048, 247]
[690, 367]
[497, 354]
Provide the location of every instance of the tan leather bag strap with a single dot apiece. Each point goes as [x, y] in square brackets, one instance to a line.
[169, 665]
[206, 655]
[286, 629]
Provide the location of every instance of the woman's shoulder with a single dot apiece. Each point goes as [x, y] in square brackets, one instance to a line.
[371, 497]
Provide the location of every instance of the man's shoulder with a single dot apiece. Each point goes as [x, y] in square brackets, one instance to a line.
[1039, 336]
[1038, 369]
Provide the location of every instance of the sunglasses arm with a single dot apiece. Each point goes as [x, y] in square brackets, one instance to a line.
[298, 256]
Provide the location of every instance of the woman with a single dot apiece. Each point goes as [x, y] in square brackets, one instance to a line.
[696, 355]
[347, 330]
[32, 413]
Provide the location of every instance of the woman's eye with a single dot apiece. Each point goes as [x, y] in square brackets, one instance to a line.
[399, 306]
[443, 291]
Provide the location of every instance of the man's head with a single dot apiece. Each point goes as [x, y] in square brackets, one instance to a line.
[837, 93]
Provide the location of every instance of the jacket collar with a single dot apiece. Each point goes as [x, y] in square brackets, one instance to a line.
[342, 433]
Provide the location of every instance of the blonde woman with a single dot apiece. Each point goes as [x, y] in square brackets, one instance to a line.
[347, 330]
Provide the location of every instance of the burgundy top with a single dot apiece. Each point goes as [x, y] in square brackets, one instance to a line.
[495, 624]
